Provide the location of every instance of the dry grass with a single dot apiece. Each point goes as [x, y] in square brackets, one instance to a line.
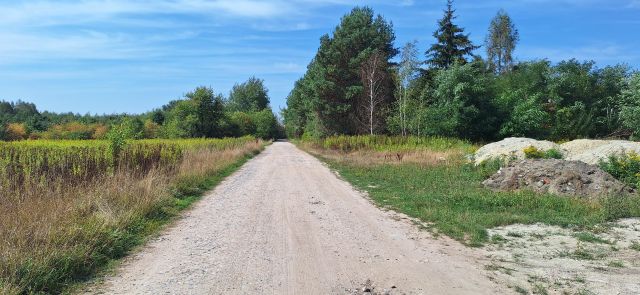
[367, 158]
[54, 235]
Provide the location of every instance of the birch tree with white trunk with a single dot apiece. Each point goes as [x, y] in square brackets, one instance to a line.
[373, 73]
[407, 72]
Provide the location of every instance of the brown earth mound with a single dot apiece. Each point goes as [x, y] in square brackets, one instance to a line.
[569, 178]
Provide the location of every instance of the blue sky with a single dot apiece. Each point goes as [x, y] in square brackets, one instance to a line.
[106, 56]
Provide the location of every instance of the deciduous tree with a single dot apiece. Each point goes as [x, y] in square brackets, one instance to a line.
[501, 42]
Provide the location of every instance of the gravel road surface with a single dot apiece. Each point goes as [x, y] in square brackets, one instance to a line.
[285, 224]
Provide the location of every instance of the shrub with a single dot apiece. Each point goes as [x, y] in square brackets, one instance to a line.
[16, 131]
[553, 154]
[532, 152]
[625, 168]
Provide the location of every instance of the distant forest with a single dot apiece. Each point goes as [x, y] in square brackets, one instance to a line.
[360, 83]
[201, 113]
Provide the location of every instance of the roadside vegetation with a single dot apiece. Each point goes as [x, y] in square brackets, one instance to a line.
[69, 208]
[200, 113]
[434, 182]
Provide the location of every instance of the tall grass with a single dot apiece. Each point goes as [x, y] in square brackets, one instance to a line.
[67, 208]
[390, 143]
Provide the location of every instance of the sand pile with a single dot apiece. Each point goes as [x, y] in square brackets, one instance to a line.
[511, 149]
[583, 150]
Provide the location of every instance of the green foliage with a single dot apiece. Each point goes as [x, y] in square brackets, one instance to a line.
[200, 114]
[522, 97]
[624, 168]
[630, 113]
[250, 96]
[207, 110]
[243, 122]
[452, 45]
[532, 152]
[501, 42]
[266, 124]
[328, 98]
[117, 141]
[553, 154]
[132, 128]
[463, 104]
[262, 124]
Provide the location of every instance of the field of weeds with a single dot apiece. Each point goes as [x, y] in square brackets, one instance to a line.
[68, 208]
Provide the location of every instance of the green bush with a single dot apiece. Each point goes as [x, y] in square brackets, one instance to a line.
[532, 152]
[553, 154]
[624, 168]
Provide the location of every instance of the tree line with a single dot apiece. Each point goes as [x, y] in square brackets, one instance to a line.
[359, 83]
[201, 113]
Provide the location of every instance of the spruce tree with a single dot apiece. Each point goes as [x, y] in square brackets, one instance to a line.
[452, 44]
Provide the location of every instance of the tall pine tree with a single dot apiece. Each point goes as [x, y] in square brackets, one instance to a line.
[453, 45]
[338, 91]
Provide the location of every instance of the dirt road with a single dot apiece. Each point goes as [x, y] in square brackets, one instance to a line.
[285, 224]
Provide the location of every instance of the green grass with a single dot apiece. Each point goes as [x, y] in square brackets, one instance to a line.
[635, 246]
[521, 290]
[616, 264]
[591, 238]
[454, 201]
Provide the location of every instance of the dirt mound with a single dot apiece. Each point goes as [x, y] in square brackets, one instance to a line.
[593, 151]
[560, 177]
[511, 148]
[585, 150]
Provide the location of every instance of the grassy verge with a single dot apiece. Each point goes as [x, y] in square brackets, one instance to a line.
[104, 221]
[448, 194]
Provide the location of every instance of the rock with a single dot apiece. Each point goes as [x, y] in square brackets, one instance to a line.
[511, 148]
[560, 177]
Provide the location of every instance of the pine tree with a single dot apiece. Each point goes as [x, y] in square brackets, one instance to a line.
[500, 42]
[339, 93]
[453, 45]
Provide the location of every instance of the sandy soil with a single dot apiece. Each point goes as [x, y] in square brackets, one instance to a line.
[547, 259]
[285, 224]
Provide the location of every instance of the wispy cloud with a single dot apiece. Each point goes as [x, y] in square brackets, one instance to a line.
[57, 12]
